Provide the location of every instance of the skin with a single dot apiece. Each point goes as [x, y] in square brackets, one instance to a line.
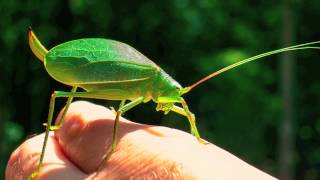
[143, 152]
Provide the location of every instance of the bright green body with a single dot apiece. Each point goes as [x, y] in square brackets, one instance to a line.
[115, 69]
[110, 70]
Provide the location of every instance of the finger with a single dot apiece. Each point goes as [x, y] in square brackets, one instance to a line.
[24, 161]
[85, 137]
[146, 152]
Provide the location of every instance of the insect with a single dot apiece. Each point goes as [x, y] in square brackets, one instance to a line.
[111, 70]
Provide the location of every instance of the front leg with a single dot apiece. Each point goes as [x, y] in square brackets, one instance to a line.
[166, 104]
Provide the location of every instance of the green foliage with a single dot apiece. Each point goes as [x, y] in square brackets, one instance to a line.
[240, 110]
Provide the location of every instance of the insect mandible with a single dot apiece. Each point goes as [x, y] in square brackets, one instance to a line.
[111, 70]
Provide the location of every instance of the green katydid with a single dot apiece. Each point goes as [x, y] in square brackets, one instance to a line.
[111, 70]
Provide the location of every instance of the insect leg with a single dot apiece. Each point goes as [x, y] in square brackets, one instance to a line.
[94, 95]
[192, 120]
[74, 89]
[70, 98]
[122, 109]
[183, 111]
[115, 127]
[54, 95]
[50, 114]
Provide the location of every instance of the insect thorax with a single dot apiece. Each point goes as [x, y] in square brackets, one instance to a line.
[165, 85]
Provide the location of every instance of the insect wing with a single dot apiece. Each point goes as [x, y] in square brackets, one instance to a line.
[92, 61]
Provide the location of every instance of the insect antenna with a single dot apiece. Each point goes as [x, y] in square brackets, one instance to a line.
[259, 56]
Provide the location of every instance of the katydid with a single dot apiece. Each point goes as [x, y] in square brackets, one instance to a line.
[111, 70]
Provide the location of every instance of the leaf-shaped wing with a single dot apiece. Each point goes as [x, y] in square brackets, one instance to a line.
[89, 61]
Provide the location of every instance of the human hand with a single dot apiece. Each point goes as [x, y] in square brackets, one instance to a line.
[143, 152]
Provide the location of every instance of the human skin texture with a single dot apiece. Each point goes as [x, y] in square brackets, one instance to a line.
[76, 151]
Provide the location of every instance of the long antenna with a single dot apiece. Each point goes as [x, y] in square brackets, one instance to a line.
[291, 48]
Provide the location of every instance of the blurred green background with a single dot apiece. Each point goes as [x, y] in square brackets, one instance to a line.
[266, 112]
